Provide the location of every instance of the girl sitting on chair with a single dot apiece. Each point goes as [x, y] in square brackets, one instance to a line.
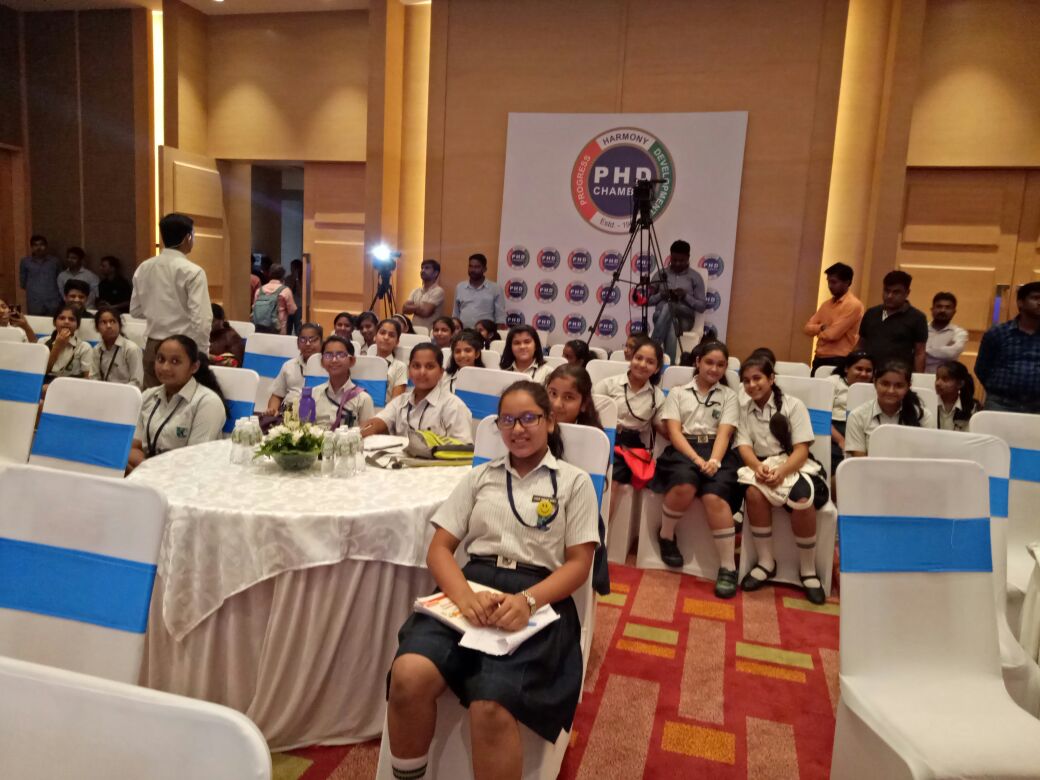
[343, 325]
[523, 354]
[956, 391]
[115, 358]
[896, 404]
[368, 324]
[466, 348]
[773, 438]
[290, 381]
[577, 353]
[339, 401]
[69, 356]
[442, 331]
[857, 367]
[388, 335]
[493, 513]
[13, 319]
[570, 394]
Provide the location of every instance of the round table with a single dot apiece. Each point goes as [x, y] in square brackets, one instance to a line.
[280, 593]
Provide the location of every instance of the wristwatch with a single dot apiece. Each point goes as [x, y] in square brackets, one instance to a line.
[531, 602]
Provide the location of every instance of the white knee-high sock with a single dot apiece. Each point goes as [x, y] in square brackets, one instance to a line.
[806, 555]
[669, 519]
[763, 538]
[725, 539]
[409, 768]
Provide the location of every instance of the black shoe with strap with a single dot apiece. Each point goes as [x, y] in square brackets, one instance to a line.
[751, 582]
[813, 588]
[670, 553]
[726, 583]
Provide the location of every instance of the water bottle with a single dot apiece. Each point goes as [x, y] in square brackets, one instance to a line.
[236, 443]
[359, 450]
[254, 438]
[344, 455]
[308, 410]
[328, 455]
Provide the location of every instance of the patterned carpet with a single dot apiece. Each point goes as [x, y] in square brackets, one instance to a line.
[681, 684]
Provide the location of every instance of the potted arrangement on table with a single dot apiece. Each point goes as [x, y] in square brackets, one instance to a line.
[293, 445]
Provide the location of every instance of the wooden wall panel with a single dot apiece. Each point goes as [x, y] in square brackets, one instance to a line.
[10, 79]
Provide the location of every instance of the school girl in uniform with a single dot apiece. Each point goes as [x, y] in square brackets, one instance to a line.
[896, 404]
[639, 403]
[577, 353]
[956, 391]
[701, 417]
[773, 439]
[466, 346]
[289, 382]
[441, 332]
[368, 324]
[186, 408]
[69, 356]
[428, 406]
[115, 358]
[13, 319]
[527, 521]
[339, 402]
[388, 335]
[857, 367]
[523, 354]
[488, 330]
[343, 325]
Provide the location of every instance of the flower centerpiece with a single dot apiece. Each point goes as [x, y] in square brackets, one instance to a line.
[293, 445]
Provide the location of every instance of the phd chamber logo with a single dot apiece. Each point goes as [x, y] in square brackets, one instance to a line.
[514, 318]
[516, 289]
[544, 321]
[573, 324]
[605, 172]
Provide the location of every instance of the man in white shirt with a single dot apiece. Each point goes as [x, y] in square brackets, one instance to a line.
[426, 303]
[172, 293]
[945, 340]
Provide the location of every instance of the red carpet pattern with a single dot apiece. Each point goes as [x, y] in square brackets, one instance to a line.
[681, 684]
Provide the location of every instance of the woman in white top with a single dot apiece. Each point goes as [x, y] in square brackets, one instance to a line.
[339, 401]
[896, 404]
[10, 318]
[69, 356]
[466, 348]
[701, 417]
[773, 438]
[857, 367]
[388, 335]
[527, 520]
[523, 353]
[290, 379]
[186, 408]
[428, 406]
[115, 358]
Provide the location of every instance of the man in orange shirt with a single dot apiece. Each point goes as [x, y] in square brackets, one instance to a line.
[836, 324]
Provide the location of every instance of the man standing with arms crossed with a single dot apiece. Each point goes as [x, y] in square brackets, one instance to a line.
[172, 293]
[836, 323]
[426, 303]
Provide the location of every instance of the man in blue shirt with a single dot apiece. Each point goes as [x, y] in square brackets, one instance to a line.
[479, 298]
[1008, 364]
[678, 294]
[38, 276]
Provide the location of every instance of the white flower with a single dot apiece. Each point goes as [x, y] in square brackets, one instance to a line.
[297, 435]
[277, 430]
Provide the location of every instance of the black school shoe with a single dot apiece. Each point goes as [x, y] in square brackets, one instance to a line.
[751, 582]
[814, 593]
[726, 583]
[670, 553]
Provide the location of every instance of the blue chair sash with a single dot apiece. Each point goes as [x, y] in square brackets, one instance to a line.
[374, 387]
[75, 585]
[480, 405]
[998, 497]
[314, 381]
[1025, 464]
[914, 544]
[20, 386]
[237, 410]
[821, 421]
[83, 440]
[265, 365]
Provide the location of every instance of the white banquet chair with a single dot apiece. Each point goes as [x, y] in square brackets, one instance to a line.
[922, 381]
[239, 388]
[733, 363]
[492, 356]
[480, 388]
[421, 330]
[88, 331]
[618, 355]
[314, 372]
[22, 369]
[76, 584]
[824, 371]
[555, 361]
[674, 376]
[265, 354]
[1021, 673]
[133, 329]
[789, 368]
[861, 392]
[1022, 434]
[86, 426]
[604, 369]
[42, 326]
[246, 329]
[369, 372]
[921, 690]
[12, 335]
[586, 448]
[56, 723]
[409, 340]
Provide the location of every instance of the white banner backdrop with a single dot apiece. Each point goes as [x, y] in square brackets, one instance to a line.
[567, 204]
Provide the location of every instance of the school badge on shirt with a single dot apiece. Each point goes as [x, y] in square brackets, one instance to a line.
[182, 433]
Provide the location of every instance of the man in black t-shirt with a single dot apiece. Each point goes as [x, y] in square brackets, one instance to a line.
[895, 330]
[114, 288]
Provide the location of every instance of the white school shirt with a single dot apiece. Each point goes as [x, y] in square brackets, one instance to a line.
[946, 421]
[326, 404]
[945, 344]
[753, 427]
[290, 378]
[701, 415]
[637, 410]
[172, 294]
[440, 411]
[74, 360]
[396, 373]
[867, 418]
[536, 373]
[21, 337]
[478, 512]
[123, 363]
[434, 295]
[194, 415]
[840, 410]
[448, 381]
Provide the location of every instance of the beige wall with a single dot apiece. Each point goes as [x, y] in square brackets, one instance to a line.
[780, 61]
[186, 54]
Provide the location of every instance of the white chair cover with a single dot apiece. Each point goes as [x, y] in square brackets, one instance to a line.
[674, 376]
[618, 355]
[22, 368]
[556, 350]
[788, 368]
[603, 369]
[733, 363]
[1022, 434]
[824, 371]
[246, 329]
[56, 723]
[77, 583]
[370, 373]
[12, 335]
[43, 327]
[921, 692]
[314, 372]
[861, 392]
[133, 329]
[492, 356]
[87, 426]
[1021, 673]
[265, 354]
[239, 388]
[554, 361]
[88, 331]
[421, 330]
[922, 381]
[409, 340]
[480, 388]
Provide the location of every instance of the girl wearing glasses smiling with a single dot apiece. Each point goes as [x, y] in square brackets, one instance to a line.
[527, 520]
[339, 401]
[290, 378]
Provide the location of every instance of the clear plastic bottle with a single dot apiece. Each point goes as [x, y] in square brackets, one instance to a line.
[236, 443]
[359, 451]
[328, 455]
[344, 455]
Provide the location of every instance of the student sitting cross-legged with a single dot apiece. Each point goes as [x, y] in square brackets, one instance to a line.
[339, 401]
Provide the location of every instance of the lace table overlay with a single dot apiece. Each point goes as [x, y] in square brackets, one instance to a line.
[229, 526]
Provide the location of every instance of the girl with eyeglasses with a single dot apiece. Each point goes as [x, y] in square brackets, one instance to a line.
[339, 401]
[289, 381]
[428, 406]
[701, 417]
[527, 521]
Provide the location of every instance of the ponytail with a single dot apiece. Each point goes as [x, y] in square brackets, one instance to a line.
[779, 425]
[911, 412]
[959, 373]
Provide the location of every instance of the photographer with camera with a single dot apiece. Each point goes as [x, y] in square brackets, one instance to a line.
[426, 303]
[678, 294]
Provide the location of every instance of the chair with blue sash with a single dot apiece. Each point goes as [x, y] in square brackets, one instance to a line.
[244, 329]
[42, 326]
[88, 331]
[265, 354]
[77, 565]
[480, 389]
[239, 388]
[818, 397]
[369, 372]
[13, 335]
[588, 449]
[861, 392]
[921, 688]
[676, 376]
[1021, 673]
[1022, 434]
[22, 368]
[87, 426]
[604, 369]
[314, 372]
[56, 723]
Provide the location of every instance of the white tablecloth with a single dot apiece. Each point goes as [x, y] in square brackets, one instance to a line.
[230, 527]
